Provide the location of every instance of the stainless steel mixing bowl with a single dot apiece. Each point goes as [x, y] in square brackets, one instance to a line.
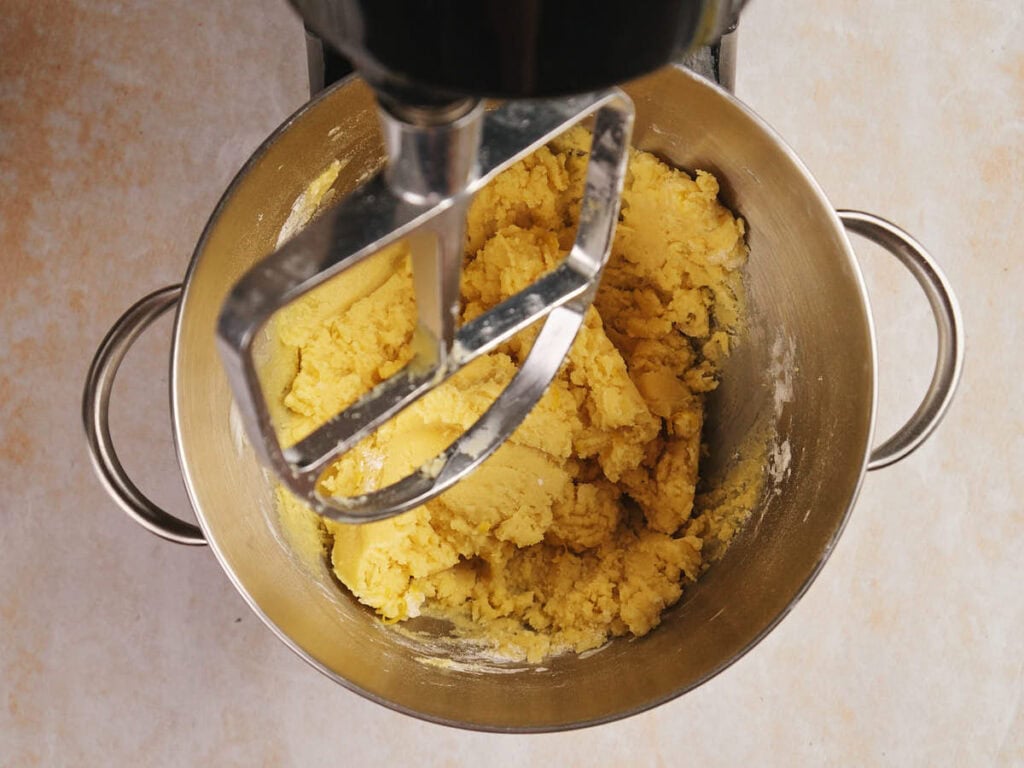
[803, 374]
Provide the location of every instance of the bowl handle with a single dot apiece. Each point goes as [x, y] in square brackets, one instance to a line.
[948, 322]
[95, 414]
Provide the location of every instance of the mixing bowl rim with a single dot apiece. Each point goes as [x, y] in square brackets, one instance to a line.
[179, 440]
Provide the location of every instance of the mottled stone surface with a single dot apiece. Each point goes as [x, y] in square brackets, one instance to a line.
[121, 124]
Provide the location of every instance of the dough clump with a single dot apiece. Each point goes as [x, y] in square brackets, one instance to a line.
[581, 526]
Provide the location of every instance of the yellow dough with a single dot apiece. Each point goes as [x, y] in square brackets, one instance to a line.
[581, 526]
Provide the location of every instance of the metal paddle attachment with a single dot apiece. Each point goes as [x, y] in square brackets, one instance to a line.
[438, 159]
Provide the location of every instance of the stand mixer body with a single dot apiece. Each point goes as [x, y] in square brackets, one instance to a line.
[443, 147]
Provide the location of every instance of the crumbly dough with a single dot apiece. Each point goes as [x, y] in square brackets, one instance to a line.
[581, 526]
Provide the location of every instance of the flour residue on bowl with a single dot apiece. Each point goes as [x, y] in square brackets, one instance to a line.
[781, 370]
[780, 374]
[436, 645]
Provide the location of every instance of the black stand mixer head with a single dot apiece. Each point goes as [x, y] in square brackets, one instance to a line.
[437, 51]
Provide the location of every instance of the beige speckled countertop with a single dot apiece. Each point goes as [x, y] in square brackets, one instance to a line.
[120, 125]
